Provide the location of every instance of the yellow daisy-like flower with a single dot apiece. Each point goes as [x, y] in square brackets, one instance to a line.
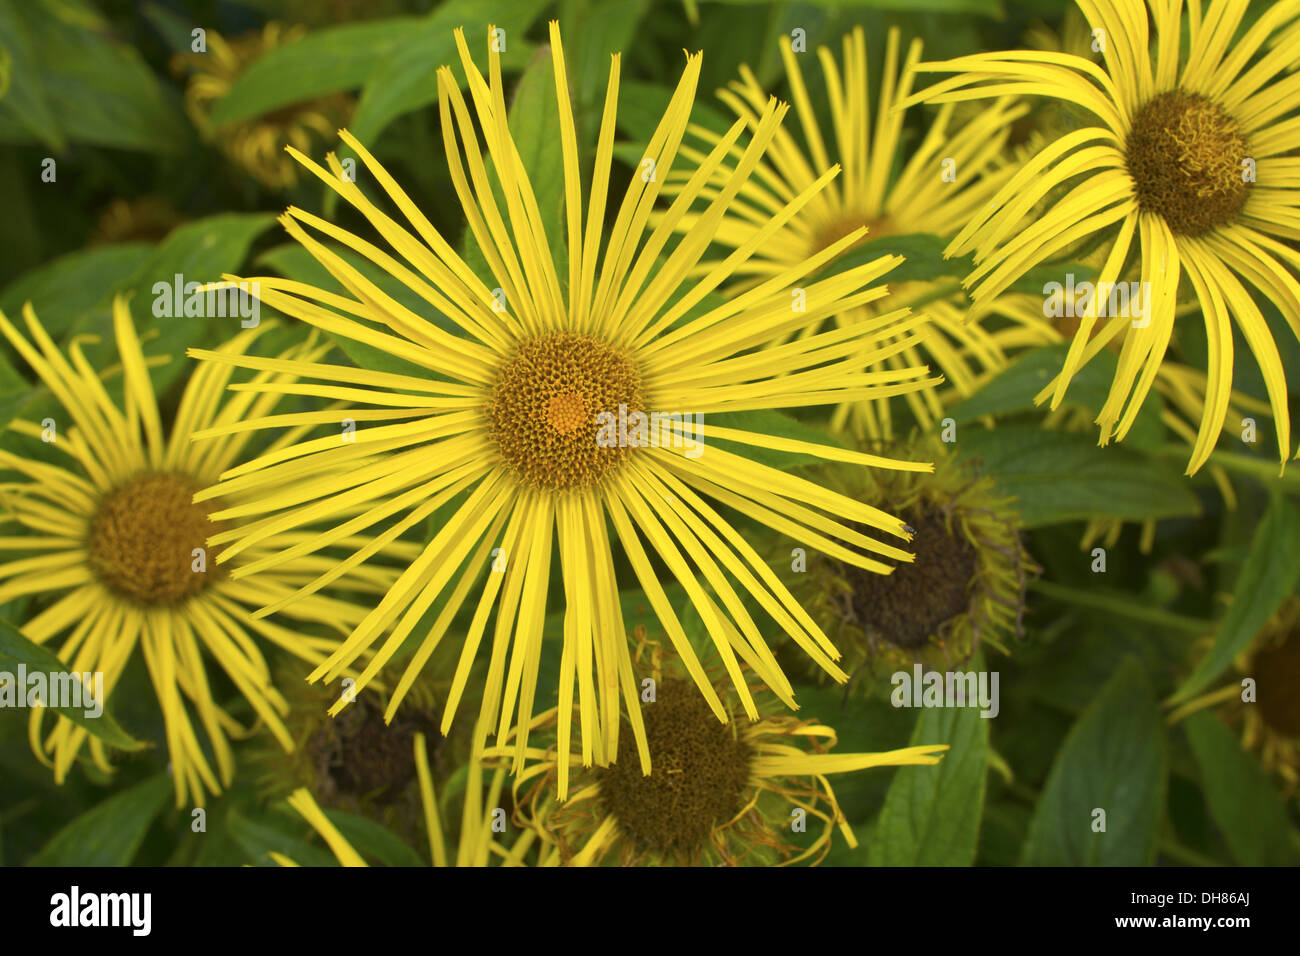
[357, 762]
[952, 173]
[119, 552]
[482, 815]
[1269, 716]
[966, 586]
[512, 422]
[719, 794]
[1272, 726]
[1190, 167]
[257, 146]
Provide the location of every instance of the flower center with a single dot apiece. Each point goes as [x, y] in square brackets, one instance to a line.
[700, 773]
[565, 412]
[1277, 675]
[908, 607]
[143, 538]
[838, 229]
[545, 404]
[1185, 156]
[359, 756]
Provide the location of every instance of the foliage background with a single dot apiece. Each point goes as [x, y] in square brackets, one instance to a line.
[1083, 697]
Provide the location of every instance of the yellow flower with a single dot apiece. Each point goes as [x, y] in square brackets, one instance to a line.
[1188, 167]
[931, 189]
[1268, 718]
[357, 762]
[511, 425]
[716, 794]
[257, 145]
[120, 556]
[477, 845]
[966, 586]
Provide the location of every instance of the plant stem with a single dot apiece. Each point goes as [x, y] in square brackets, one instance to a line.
[1115, 603]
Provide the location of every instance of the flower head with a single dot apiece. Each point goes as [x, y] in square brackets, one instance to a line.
[966, 586]
[476, 843]
[257, 145]
[358, 762]
[1187, 168]
[120, 561]
[528, 414]
[1267, 715]
[713, 793]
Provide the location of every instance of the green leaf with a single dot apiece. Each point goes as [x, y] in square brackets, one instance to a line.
[1013, 390]
[407, 79]
[593, 30]
[1109, 601]
[16, 649]
[922, 253]
[370, 839]
[199, 251]
[326, 61]
[215, 846]
[101, 91]
[642, 105]
[931, 815]
[260, 838]
[25, 108]
[174, 29]
[864, 722]
[110, 833]
[1268, 576]
[394, 60]
[74, 294]
[64, 290]
[1113, 759]
[1060, 476]
[1241, 799]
